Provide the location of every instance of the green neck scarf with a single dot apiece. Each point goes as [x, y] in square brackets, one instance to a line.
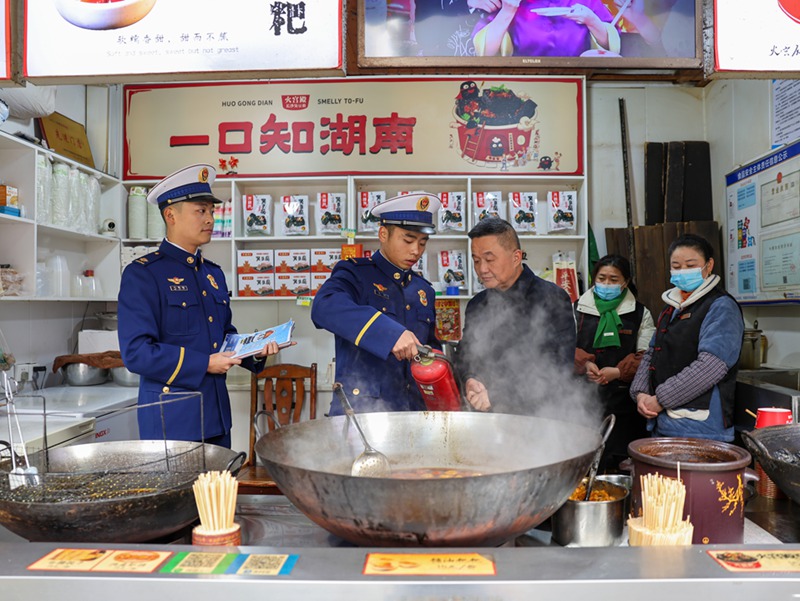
[607, 333]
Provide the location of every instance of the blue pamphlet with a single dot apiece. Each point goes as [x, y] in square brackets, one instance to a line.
[245, 345]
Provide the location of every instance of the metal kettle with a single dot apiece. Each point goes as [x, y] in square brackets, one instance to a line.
[754, 348]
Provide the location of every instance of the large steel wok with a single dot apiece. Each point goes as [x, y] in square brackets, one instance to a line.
[528, 467]
[777, 449]
[124, 492]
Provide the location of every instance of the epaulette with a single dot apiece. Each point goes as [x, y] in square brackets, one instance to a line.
[360, 260]
[150, 258]
[210, 262]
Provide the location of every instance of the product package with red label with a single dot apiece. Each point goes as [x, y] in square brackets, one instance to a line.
[330, 212]
[566, 274]
[292, 260]
[452, 216]
[367, 222]
[421, 268]
[257, 284]
[292, 284]
[323, 260]
[255, 261]
[522, 211]
[257, 214]
[294, 213]
[561, 210]
[451, 268]
[488, 204]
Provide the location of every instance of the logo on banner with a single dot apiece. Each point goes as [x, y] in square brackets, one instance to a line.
[295, 102]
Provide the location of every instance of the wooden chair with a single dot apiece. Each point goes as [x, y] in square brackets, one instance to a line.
[284, 395]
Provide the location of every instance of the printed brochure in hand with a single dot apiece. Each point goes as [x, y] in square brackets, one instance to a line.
[245, 345]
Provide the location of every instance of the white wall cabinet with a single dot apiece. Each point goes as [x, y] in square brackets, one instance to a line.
[24, 241]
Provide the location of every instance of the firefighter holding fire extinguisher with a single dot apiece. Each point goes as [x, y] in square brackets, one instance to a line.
[380, 311]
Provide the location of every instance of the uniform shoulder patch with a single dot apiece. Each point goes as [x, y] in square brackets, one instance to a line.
[360, 261]
[210, 262]
[149, 259]
[415, 276]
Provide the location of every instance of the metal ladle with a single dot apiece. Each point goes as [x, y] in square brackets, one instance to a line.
[608, 425]
[371, 463]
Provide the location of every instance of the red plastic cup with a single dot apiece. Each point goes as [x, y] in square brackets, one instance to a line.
[773, 416]
[791, 8]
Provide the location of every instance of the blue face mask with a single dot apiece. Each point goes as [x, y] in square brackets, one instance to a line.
[607, 291]
[687, 280]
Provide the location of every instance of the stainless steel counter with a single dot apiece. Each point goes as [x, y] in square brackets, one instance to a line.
[329, 568]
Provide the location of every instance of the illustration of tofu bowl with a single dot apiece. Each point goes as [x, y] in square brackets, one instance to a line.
[103, 14]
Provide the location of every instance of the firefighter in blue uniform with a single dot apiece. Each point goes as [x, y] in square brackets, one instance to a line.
[174, 313]
[379, 310]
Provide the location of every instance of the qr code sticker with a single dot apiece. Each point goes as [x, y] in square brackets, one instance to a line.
[262, 564]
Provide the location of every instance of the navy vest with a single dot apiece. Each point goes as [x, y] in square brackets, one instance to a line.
[675, 347]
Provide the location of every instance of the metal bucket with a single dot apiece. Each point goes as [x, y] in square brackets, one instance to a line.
[592, 523]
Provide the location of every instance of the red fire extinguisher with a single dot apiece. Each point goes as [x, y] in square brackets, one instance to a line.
[436, 381]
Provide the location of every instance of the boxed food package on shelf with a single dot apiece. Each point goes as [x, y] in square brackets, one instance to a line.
[330, 212]
[257, 214]
[294, 215]
[488, 204]
[255, 261]
[9, 196]
[477, 286]
[452, 217]
[292, 260]
[317, 280]
[561, 210]
[367, 222]
[257, 284]
[292, 284]
[522, 209]
[324, 259]
[451, 268]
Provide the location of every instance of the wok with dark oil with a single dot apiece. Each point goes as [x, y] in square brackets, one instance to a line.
[516, 472]
[124, 492]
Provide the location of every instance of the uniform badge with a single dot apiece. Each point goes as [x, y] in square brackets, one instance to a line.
[380, 290]
[423, 203]
[423, 298]
[203, 177]
[212, 281]
[175, 281]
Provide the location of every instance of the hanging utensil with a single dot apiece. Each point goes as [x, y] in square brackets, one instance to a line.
[370, 463]
[18, 476]
[621, 10]
[608, 425]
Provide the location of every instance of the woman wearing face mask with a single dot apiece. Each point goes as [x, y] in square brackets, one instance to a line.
[614, 330]
[685, 383]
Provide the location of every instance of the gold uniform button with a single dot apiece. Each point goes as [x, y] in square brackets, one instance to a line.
[408, 307]
[183, 304]
[215, 345]
[356, 391]
[383, 309]
[205, 293]
[165, 389]
[210, 318]
[397, 276]
[190, 260]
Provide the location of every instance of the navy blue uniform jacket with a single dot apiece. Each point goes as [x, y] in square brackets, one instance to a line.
[367, 304]
[173, 313]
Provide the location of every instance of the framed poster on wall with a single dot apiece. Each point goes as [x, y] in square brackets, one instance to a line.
[661, 34]
[484, 125]
[756, 37]
[763, 241]
[149, 40]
